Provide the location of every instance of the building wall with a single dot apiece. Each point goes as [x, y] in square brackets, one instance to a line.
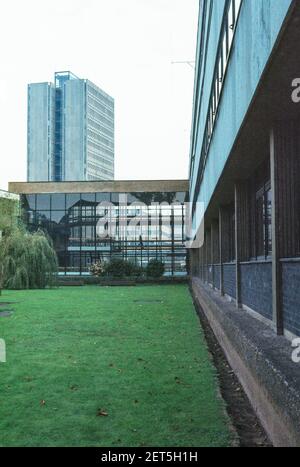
[256, 32]
[70, 131]
[245, 158]
[100, 136]
[291, 295]
[256, 287]
[151, 228]
[74, 135]
[229, 280]
[41, 129]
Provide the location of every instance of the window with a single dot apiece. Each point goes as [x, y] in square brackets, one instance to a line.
[43, 202]
[222, 59]
[263, 218]
[261, 213]
[231, 243]
[71, 222]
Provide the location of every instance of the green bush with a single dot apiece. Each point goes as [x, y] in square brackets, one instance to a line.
[155, 269]
[121, 268]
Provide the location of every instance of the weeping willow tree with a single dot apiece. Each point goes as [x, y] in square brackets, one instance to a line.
[27, 261]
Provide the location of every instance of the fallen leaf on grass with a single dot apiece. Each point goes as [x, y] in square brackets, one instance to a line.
[102, 413]
[42, 402]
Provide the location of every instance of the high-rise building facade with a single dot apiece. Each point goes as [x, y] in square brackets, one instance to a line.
[70, 131]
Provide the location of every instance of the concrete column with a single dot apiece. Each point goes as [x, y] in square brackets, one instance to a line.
[241, 232]
[237, 210]
[206, 273]
[212, 252]
[221, 253]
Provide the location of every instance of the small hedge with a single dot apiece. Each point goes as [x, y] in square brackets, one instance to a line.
[155, 269]
[116, 268]
[120, 268]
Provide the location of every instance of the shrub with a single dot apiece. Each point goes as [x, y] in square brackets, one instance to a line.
[98, 269]
[120, 268]
[155, 268]
[117, 268]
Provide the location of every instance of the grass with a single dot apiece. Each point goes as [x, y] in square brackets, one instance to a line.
[136, 353]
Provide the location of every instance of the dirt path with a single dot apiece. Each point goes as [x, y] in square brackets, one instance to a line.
[244, 419]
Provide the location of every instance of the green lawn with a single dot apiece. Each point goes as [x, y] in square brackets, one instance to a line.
[136, 353]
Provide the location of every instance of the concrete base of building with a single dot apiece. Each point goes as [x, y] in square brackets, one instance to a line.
[262, 362]
[108, 281]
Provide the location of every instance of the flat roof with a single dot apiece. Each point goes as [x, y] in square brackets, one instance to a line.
[112, 186]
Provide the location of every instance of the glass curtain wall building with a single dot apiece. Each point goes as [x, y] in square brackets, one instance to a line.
[116, 221]
[70, 131]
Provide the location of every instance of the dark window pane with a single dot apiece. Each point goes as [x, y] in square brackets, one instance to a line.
[73, 263]
[43, 202]
[58, 201]
[27, 202]
[88, 197]
[74, 239]
[103, 197]
[269, 222]
[72, 199]
[144, 198]
[180, 197]
[59, 217]
[43, 218]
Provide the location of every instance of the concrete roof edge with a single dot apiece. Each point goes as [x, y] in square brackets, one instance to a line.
[99, 186]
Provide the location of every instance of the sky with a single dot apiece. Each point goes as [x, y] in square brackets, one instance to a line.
[127, 49]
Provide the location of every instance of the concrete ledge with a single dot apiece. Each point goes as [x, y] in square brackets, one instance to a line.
[115, 186]
[262, 362]
[107, 281]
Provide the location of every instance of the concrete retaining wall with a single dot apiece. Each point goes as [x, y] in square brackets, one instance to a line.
[262, 362]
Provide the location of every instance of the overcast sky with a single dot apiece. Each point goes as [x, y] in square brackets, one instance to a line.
[126, 48]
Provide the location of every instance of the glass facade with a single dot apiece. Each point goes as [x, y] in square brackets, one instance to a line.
[87, 227]
[70, 131]
[41, 132]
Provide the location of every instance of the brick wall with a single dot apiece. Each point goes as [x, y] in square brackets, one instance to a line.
[229, 279]
[217, 276]
[291, 296]
[256, 287]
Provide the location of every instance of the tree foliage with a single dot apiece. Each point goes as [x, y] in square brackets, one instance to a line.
[27, 261]
[8, 214]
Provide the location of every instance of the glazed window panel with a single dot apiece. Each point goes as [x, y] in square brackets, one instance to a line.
[157, 231]
[58, 201]
[43, 202]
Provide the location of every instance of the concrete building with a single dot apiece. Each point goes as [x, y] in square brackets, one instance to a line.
[70, 131]
[244, 168]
